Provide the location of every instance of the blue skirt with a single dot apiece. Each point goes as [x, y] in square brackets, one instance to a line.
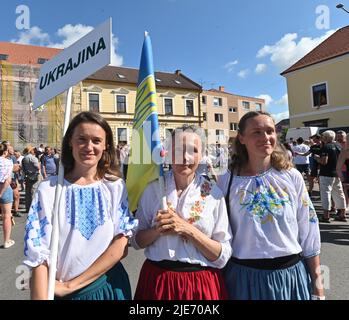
[245, 283]
[114, 285]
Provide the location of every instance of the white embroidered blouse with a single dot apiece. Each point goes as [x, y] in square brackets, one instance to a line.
[90, 217]
[271, 215]
[201, 204]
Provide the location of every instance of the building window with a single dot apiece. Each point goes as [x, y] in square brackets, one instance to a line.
[218, 117]
[220, 135]
[168, 106]
[93, 99]
[189, 105]
[204, 99]
[233, 110]
[3, 56]
[317, 123]
[319, 95]
[217, 102]
[120, 104]
[42, 60]
[233, 126]
[204, 116]
[258, 107]
[122, 135]
[23, 92]
[246, 105]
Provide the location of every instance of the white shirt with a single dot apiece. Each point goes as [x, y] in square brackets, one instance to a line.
[202, 204]
[301, 148]
[90, 217]
[271, 215]
[6, 168]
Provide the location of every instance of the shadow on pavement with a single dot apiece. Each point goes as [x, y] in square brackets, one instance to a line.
[335, 233]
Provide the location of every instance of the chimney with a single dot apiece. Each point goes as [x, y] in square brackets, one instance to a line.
[221, 88]
[178, 72]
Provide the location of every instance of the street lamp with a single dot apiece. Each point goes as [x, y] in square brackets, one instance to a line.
[341, 6]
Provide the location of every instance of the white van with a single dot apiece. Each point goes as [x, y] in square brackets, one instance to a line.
[304, 132]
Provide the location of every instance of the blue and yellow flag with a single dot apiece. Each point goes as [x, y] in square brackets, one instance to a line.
[145, 147]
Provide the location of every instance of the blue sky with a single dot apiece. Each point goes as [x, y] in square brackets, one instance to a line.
[242, 45]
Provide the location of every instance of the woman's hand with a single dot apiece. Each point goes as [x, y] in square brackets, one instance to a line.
[62, 289]
[169, 222]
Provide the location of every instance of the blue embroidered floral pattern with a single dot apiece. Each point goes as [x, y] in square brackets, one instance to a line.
[86, 210]
[127, 222]
[264, 203]
[307, 203]
[33, 222]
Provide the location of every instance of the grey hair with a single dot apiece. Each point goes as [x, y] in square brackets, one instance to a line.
[192, 129]
[329, 134]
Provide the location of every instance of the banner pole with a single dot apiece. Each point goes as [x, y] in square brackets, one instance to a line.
[58, 194]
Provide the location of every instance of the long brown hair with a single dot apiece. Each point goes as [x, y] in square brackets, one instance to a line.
[240, 158]
[108, 166]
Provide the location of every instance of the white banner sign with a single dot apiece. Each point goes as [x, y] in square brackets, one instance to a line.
[74, 64]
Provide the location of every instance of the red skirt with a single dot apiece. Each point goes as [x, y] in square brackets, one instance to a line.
[156, 283]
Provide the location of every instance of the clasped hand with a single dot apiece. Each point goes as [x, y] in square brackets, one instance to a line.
[169, 222]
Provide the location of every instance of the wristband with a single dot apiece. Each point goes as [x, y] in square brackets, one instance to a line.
[315, 297]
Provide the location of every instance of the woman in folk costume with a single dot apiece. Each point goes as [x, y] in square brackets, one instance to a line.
[276, 237]
[188, 244]
[94, 220]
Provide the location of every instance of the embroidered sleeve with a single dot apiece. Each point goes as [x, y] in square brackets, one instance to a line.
[222, 233]
[37, 234]
[308, 223]
[124, 223]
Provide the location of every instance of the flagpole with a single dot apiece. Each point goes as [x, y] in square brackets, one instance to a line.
[162, 188]
[58, 195]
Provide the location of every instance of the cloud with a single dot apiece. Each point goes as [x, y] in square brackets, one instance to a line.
[280, 116]
[283, 101]
[268, 99]
[243, 73]
[71, 34]
[68, 34]
[32, 36]
[287, 50]
[230, 65]
[260, 68]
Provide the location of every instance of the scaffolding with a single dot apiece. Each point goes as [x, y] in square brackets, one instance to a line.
[19, 124]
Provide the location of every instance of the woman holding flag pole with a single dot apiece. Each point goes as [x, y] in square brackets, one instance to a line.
[94, 222]
[188, 241]
[187, 244]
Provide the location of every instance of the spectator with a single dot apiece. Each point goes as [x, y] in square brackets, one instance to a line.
[48, 163]
[330, 184]
[6, 195]
[31, 169]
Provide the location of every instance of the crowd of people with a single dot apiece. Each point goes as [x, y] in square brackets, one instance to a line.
[324, 159]
[18, 173]
[250, 232]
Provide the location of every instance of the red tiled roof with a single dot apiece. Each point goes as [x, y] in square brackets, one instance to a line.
[334, 46]
[26, 54]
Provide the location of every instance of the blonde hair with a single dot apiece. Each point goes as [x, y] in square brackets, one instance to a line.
[240, 158]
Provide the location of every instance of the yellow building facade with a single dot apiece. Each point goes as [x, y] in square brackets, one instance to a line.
[317, 85]
[115, 100]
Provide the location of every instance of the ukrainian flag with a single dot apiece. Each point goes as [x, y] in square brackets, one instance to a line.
[146, 146]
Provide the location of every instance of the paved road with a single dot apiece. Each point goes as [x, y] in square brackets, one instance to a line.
[334, 258]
